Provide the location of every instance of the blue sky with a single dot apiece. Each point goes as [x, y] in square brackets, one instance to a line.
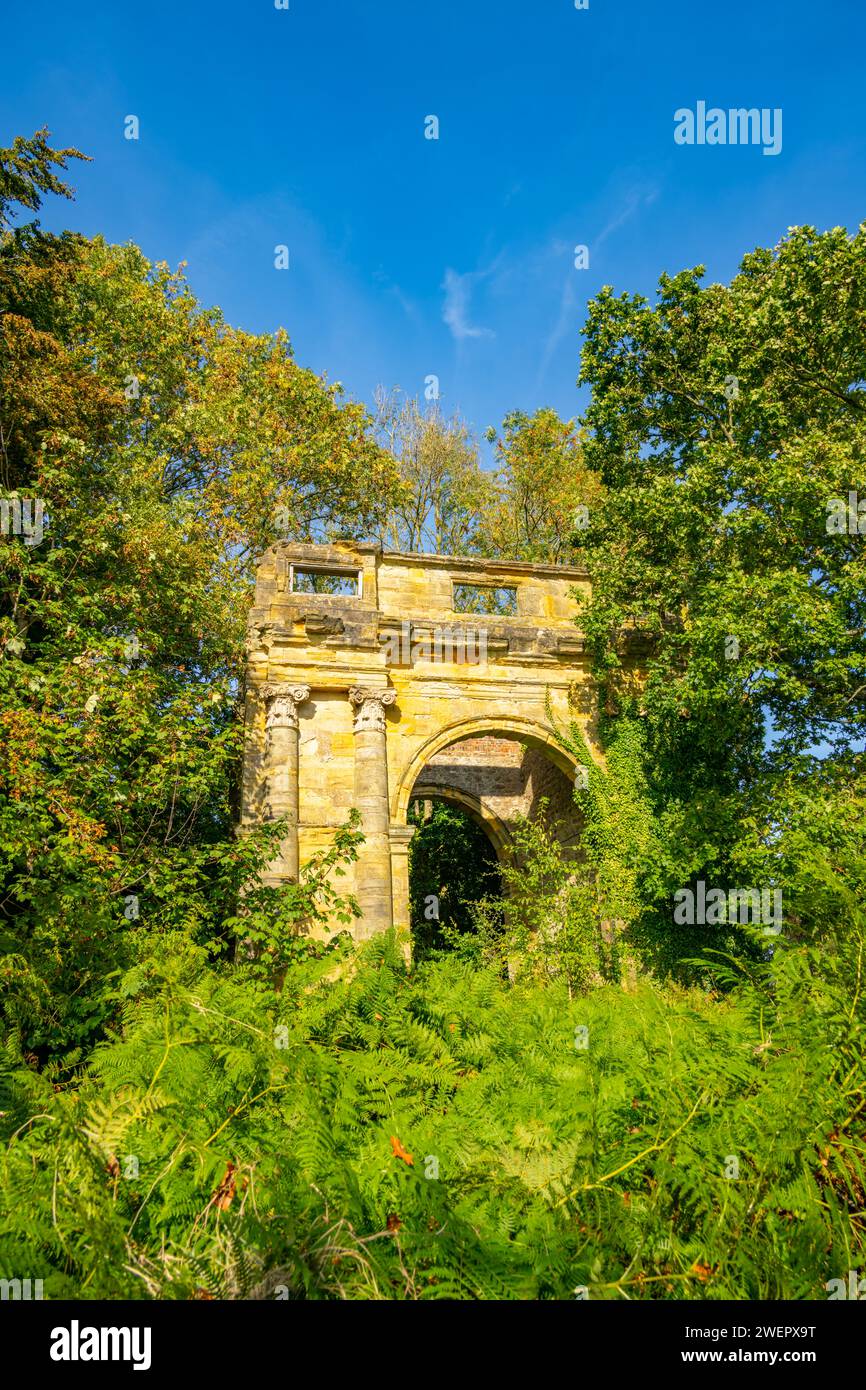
[454, 257]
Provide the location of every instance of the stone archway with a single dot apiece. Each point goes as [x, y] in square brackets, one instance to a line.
[494, 827]
[520, 728]
[496, 777]
[363, 666]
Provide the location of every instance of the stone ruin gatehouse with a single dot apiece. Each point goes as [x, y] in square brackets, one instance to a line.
[376, 678]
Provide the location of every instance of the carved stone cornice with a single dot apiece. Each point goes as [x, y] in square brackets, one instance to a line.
[282, 704]
[370, 708]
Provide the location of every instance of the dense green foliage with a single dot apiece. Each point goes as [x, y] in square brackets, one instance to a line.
[533, 505]
[452, 865]
[448, 1135]
[724, 420]
[163, 444]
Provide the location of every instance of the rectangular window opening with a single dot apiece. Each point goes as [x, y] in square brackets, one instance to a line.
[339, 583]
[485, 598]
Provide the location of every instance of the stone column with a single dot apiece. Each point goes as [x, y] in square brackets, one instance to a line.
[281, 764]
[400, 836]
[373, 872]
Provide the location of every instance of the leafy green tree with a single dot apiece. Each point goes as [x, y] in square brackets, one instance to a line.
[160, 443]
[442, 490]
[543, 491]
[723, 421]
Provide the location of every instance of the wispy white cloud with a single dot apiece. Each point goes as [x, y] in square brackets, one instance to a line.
[389, 286]
[637, 197]
[455, 310]
[565, 320]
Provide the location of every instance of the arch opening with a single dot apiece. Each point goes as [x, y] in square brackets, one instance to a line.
[453, 869]
[511, 728]
[483, 782]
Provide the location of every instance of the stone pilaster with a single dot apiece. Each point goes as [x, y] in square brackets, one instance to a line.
[281, 765]
[373, 874]
[400, 836]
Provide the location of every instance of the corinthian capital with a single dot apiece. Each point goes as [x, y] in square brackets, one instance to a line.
[282, 704]
[370, 707]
